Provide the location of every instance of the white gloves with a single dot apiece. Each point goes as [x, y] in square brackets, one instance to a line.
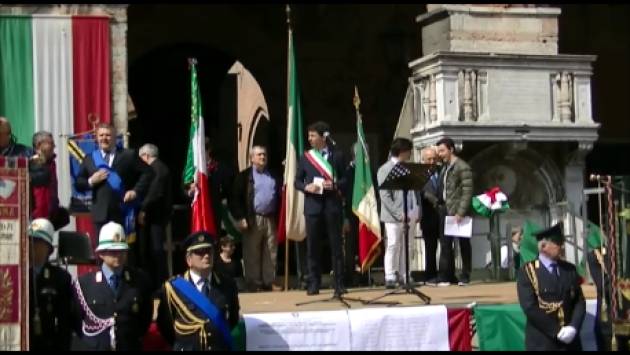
[566, 334]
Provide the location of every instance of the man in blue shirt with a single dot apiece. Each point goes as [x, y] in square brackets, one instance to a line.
[255, 203]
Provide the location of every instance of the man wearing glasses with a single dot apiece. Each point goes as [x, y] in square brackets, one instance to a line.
[198, 310]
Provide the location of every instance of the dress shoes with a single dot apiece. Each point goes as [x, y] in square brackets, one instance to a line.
[311, 291]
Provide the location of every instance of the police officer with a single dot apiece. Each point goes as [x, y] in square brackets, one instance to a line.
[115, 301]
[50, 293]
[550, 294]
[198, 310]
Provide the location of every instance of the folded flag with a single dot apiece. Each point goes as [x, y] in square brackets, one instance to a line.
[490, 202]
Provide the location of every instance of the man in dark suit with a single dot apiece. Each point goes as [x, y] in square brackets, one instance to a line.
[50, 287]
[550, 294]
[155, 213]
[321, 176]
[255, 205]
[430, 219]
[114, 302]
[116, 177]
[198, 310]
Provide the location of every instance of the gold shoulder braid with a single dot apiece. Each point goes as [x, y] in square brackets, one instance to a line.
[190, 323]
[548, 307]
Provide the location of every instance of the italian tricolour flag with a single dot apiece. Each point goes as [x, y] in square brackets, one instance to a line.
[291, 223]
[196, 169]
[490, 202]
[364, 203]
[55, 73]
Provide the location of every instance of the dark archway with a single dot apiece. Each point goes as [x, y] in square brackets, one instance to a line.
[159, 85]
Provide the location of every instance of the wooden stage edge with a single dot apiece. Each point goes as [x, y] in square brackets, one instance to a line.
[451, 296]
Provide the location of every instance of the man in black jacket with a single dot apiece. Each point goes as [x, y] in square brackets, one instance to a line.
[550, 294]
[198, 310]
[117, 178]
[9, 147]
[114, 302]
[50, 287]
[155, 213]
[254, 205]
[321, 176]
[430, 219]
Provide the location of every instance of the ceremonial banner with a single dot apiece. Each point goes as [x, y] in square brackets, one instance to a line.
[14, 249]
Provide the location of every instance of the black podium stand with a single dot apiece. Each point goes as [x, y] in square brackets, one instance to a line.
[406, 177]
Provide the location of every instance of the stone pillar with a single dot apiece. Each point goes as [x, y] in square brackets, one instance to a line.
[118, 33]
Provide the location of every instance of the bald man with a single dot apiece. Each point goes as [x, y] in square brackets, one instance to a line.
[9, 147]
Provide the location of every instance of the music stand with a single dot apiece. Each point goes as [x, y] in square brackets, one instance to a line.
[334, 298]
[406, 177]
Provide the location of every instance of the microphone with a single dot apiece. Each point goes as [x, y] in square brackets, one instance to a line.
[327, 135]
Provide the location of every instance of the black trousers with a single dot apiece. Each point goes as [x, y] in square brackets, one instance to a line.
[152, 254]
[316, 227]
[431, 236]
[447, 254]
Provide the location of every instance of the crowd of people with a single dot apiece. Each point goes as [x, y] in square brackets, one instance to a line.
[111, 308]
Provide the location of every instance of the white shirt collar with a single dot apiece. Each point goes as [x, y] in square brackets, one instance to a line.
[394, 160]
[196, 279]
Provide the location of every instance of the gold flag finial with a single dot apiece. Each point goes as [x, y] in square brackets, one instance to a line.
[356, 100]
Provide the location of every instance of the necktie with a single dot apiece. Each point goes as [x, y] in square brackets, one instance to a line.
[113, 283]
[325, 154]
[554, 269]
[106, 158]
[205, 289]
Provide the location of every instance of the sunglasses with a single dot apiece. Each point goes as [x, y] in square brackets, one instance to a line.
[202, 252]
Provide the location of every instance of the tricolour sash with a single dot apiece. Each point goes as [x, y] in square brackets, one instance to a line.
[205, 305]
[322, 165]
[115, 182]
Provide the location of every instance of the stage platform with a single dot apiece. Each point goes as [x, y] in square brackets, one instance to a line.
[451, 296]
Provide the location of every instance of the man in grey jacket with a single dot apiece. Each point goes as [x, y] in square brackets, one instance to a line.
[454, 199]
[392, 214]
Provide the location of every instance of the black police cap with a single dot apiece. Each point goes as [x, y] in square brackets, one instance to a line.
[553, 234]
[198, 240]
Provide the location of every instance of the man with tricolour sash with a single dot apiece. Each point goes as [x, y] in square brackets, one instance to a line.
[198, 310]
[550, 294]
[321, 176]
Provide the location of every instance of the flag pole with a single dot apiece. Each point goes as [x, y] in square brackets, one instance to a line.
[286, 238]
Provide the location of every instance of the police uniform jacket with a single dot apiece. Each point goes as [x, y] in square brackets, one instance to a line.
[542, 328]
[132, 308]
[223, 294]
[51, 303]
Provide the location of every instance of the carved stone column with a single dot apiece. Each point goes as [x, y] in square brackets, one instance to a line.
[118, 33]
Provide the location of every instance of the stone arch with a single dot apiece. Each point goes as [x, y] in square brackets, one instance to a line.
[532, 181]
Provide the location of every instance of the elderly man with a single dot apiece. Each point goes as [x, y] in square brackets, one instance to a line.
[50, 287]
[9, 147]
[43, 172]
[430, 220]
[255, 205]
[198, 310]
[550, 294]
[155, 213]
[116, 178]
[115, 302]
